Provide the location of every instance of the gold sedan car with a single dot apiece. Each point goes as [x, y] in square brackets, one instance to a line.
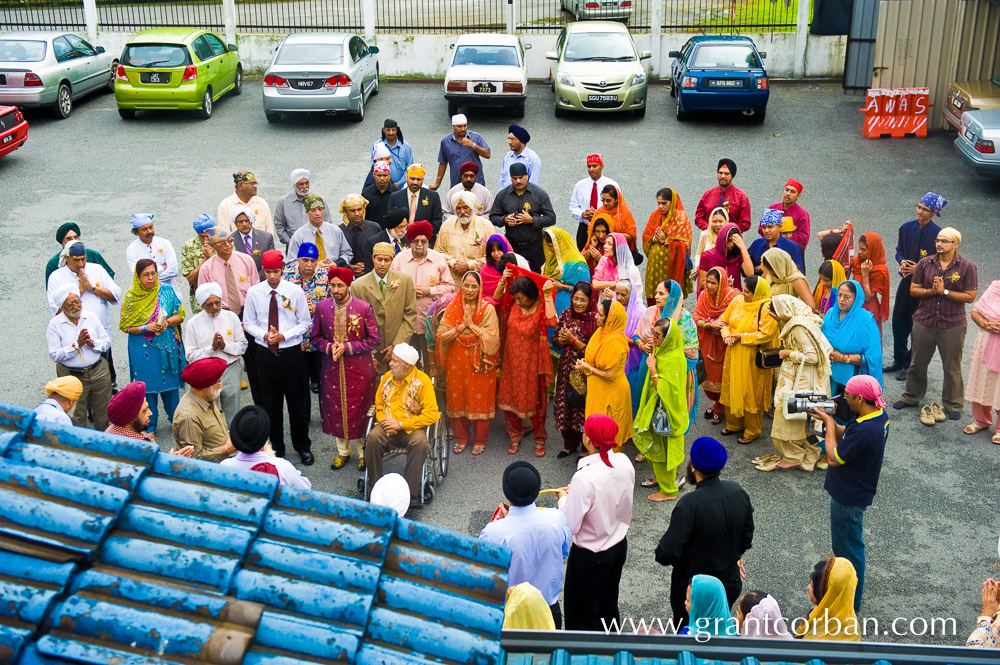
[970, 95]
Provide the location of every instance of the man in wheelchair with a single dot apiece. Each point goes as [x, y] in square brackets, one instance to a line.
[405, 406]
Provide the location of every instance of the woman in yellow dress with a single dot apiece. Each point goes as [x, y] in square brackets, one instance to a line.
[603, 363]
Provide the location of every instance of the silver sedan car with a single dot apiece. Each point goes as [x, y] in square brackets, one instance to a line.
[51, 69]
[329, 72]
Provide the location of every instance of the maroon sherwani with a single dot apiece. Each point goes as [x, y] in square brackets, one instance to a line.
[739, 207]
[347, 385]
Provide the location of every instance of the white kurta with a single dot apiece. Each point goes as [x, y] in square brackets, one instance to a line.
[162, 253]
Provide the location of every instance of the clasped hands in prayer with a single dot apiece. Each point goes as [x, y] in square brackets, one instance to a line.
[273, 336]
[519, 218]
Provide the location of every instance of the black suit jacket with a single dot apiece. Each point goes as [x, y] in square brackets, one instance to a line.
[262, 242]
[431, 211]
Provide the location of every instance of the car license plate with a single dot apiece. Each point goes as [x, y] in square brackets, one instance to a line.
[485, 87]
[7, 139]
[956, 102]
[725, 83]
[602, 98]
[609, 4]
[154, 77]
[971, 135]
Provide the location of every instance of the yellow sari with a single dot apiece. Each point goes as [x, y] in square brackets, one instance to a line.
[836, 605]
[607, 351]
[746, 388]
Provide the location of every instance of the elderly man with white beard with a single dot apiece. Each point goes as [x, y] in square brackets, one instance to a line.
[462, 238]
[215, 332]
[290, 213]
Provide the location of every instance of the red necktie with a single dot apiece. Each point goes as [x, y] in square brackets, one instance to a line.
[272, 320]
[593, 196]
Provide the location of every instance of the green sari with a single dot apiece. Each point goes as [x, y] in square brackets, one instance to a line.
[665, 454]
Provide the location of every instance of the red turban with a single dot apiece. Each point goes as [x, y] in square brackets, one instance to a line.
[272, 259]
[124, 407]
[596, 158]
[601, 430]
[794, 183]
[421, 228]
[346, 275]
[469, 167]
[204, 373]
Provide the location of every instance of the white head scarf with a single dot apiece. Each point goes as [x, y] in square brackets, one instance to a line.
[299, 174]
[467, 197]
[406, 353]
[206, 291]
[242, 210]
[63, 292]
[765, 621]
[392, 491]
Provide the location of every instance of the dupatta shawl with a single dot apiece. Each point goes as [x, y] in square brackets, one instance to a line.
[838, 277]
[878, 278]
[710, 609]
[744, 317]
[609, 343]
[142, 306]
[836, 601]
[717, 257]
[491, 276]
[782, 266]
[486, 348]
[675, 224]
[671, 389]
[621, 216]
[858, 333]
[796, 313]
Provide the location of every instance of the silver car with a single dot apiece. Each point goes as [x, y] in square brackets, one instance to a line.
[51, 69]
[331, 72]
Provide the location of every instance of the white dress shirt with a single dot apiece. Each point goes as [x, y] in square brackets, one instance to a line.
[334, 243]
[62, 336]
[580, 199]
[484, 200]
[200, 329]
[162, 253]
[99, 278]
[294, 319]
[598, 505]
[51, 412]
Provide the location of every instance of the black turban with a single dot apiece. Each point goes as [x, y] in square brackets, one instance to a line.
[517, 168]
[725, 161]
[521, 483]
[250, 429]
[394, 218]
[390, 124]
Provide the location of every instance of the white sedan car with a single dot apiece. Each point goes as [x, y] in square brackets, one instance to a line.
[487, 70]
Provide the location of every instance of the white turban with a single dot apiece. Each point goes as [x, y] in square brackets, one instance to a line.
[206, 291]
[465, 196]
[299, 174]
[63, 292]
[391, 491]
[459, 119]
[406, 353]
[242, 210]
[381, 151]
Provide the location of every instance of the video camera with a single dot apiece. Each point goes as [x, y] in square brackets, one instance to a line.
[806, 401]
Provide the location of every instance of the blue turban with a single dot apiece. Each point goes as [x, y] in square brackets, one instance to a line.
[520, 133]
[203, 222]
[708, 455]
[141, 219]
[934, 201]
[307, 250]
[77, 249]
[771, 217]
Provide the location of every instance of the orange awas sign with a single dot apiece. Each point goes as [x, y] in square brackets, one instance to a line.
[896, 112]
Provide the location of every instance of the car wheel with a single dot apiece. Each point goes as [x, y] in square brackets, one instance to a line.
[681, 113]
[111, 79]
[359, 115]
[452, 108]
[640, 113]
[206, 104]
[559, 112]
[238, 81]
[272, 117]
[64, 101]
[758, 116]
[375, 89]
[673, 90]
[518, 110]
[126, 114]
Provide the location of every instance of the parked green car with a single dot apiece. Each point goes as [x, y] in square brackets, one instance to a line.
[176, 68]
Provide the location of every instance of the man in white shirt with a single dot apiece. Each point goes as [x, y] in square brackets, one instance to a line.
[334, 250]
[276, 315]
[586, 197]
[469, 171]
[215, 332]
[246, 195]
[61, 396]
[248, 433]
[76, 339]
[148, 245]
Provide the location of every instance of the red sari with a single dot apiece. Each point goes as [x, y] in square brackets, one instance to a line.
[526, 361]
[713, 349]
[878, 278]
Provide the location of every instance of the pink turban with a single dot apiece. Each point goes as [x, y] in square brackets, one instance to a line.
[867, 387]
[601, 430]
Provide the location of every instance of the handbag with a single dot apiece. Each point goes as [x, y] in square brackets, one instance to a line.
[768, 358]
[576, 389]
[699, 370]
[661, 419]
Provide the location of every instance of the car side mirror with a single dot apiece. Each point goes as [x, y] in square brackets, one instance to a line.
[373, 49]
[527, 47]
[646, 55]
[551, 55]
[451, 46]
[232, 47]
[674, 54]
[100, 49]
[762, 54]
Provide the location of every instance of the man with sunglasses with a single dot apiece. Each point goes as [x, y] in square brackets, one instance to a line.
[943, 283]
[916, 240]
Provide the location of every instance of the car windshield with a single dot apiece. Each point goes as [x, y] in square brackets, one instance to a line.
[310, 54]
[156, 55]
[486, 55]
[21, 50]
[599, 47]
[724, 56]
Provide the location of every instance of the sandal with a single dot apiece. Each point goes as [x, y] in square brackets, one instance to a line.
[640, 458]
[744, 442]
[996, 438]
[762, 459]
[727, 432]
[459, 447]
[479, 449]
[539, 450]
[716, 420]
[974, 427]
[709, 413]
[512, 448]
[651, 482]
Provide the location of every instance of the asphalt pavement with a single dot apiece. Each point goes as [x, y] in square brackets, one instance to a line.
[932, 532]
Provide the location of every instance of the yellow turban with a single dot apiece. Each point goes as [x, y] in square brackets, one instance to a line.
[65, 386]
[417, 170]
[383, 249]
[352, 201]
[787, 225]
[951, 234]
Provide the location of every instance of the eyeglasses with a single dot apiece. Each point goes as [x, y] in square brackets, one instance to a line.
[943, 241]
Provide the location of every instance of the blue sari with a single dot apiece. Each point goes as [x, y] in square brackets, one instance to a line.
[857, 334]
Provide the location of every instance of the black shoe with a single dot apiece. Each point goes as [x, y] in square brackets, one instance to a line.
[563, 453]
[415, 504]
[902, 374]
[307, 458]
[894, 367]
[709, 413]
[279, 452]
[899, 405]
[114, 389]
[315, 388]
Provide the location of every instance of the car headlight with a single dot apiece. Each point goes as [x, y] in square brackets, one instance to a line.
[564, 79]
[639, 79]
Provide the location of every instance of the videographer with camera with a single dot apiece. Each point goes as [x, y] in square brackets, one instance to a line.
[855, 453]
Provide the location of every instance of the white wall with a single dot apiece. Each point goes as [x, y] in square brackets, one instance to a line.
[427, 56]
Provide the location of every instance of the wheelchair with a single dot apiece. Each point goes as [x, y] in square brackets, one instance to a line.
[435, 466]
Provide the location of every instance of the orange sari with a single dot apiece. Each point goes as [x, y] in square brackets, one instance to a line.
[878, 278]
[667, 259]
[469, 361]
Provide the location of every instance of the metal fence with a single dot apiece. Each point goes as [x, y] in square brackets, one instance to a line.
[263, 17]
[436, 16]
[41, 16]
[730, 15]
[117, 15]
[547, 16]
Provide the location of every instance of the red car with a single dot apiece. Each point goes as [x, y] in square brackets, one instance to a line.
[13, 129]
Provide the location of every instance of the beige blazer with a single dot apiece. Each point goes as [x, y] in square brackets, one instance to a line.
[396, 313]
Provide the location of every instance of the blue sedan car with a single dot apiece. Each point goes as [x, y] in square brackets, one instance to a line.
[719, 73]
